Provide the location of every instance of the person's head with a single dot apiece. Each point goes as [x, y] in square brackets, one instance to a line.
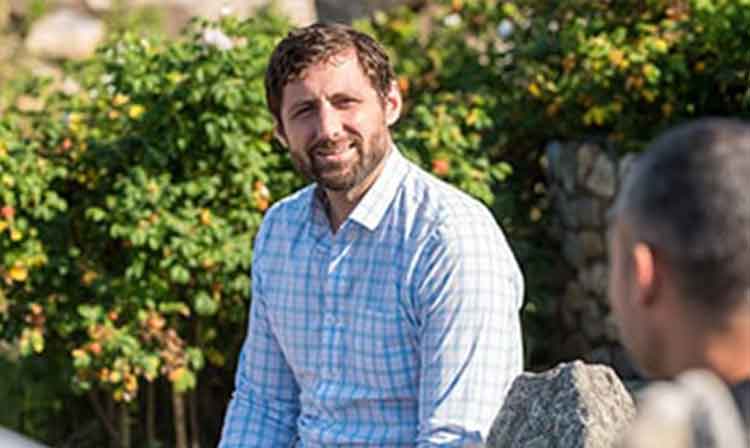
[680, 240]
[333, 95]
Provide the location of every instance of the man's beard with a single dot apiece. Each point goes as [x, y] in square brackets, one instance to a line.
[343, 176]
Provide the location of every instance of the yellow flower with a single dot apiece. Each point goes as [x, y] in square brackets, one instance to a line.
[205, 217]
[616, 57]
[136, 111]
[15, 235]
[660, 45]
[88, 277]
[19, 272]
[534, 89]
[3, 226]
[120, 99]
[3, 151]
[175, 77]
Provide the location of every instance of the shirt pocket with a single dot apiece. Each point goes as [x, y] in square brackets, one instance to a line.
[381, 358]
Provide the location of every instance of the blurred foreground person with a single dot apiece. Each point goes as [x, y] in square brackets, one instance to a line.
[384, 301]
[10, 439]
[680, 284]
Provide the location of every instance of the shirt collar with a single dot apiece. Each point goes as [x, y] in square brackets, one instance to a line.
[373, 205]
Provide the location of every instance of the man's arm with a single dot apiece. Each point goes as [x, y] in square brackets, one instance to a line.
[469, 289]
[265, 404]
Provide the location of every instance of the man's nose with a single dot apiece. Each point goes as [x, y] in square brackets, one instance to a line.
[330, 126]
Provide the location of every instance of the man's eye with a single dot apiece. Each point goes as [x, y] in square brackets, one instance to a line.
[301, 111]
[345, 102]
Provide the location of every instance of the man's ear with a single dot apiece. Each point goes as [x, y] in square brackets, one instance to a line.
[278, 132]
[647, 274]
[393, 103]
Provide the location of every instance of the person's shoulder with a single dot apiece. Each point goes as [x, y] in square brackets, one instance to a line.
[695, 410]
[442, 205]
[290, 207]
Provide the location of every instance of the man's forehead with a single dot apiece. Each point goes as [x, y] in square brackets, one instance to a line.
[337, 59]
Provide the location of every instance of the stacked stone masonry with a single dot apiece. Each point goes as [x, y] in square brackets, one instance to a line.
[584, 178]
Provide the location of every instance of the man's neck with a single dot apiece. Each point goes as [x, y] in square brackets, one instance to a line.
[723, 349]
[342, 203]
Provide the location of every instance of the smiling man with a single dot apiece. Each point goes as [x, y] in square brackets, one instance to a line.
[385, 302]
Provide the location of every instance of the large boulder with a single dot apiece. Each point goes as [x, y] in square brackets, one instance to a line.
[573, 405]
[65, 34]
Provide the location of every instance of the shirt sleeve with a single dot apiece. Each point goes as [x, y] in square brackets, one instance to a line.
[264, 407]
[469, 292]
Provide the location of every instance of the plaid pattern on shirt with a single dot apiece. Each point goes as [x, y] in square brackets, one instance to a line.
[401, 329]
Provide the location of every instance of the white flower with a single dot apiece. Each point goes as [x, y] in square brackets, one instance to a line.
[452, 20]
[213, 37]
[226, 10]
[505, 28]
[553, 26]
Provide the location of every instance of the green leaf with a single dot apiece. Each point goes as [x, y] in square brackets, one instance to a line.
[205, 305]
[179, 274]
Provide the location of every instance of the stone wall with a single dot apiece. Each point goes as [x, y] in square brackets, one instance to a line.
[584, 178]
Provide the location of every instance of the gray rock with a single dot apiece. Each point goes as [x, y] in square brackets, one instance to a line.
[573, 405]
[565, 209]
[602, 180]
[575, 296]
[65, 34]
[592, 321]
[566, 167]
[592, 244]
[573, 250]
[625, 164]
[587, 154]
[611, 332]
[553, 152]
[590, 212]
[594, 278]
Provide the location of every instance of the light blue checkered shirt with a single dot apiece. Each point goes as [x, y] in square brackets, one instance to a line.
[401, 329]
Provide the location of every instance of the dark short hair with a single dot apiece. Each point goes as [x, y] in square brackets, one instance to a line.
[688, 196]
[305, 47]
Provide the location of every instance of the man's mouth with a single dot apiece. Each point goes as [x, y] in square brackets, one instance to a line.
[333, 153]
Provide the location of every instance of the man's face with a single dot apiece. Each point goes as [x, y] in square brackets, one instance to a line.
[633, 321]
[335, 124]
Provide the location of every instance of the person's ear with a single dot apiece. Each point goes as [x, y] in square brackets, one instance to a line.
[646, 274]
[393, 103]
[278, 132]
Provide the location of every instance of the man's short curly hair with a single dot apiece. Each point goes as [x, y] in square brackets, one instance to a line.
[305, 47]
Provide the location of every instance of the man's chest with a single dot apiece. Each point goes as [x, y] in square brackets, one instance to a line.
[341, 311]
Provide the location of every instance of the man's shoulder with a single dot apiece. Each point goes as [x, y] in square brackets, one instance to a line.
[441, 204]
[290, 207]
[695, 410]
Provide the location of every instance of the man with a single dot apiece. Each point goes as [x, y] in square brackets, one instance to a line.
[385, 302]
[680, 280]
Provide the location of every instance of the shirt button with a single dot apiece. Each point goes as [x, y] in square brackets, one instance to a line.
[329, 319]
